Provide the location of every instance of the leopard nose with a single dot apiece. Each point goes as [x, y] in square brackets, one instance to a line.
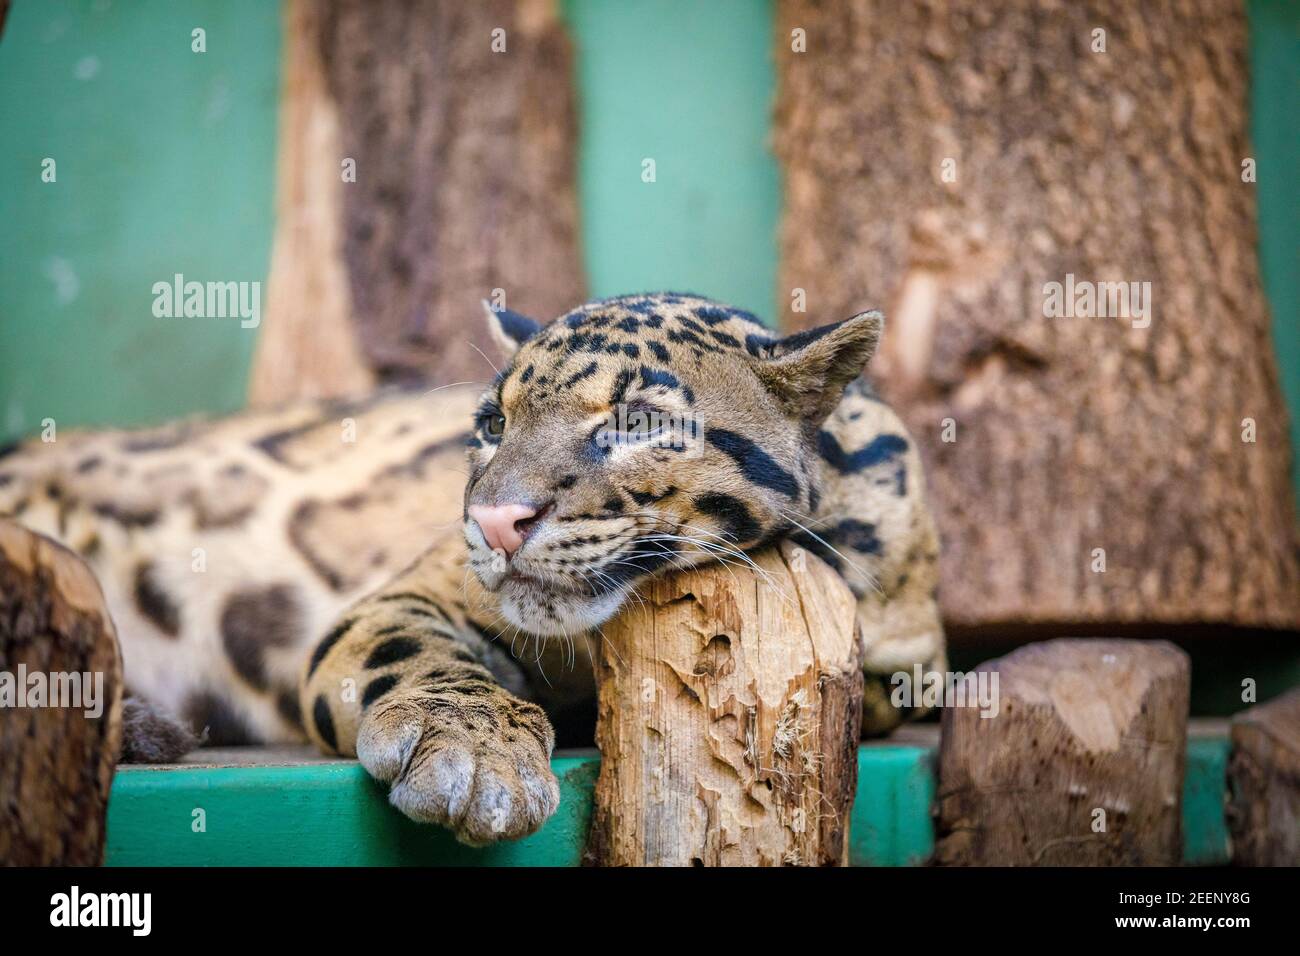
[504, 526]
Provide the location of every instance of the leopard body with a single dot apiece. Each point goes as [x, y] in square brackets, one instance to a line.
[313, 571]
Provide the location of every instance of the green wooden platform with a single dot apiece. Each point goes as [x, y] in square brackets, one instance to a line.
[288, 807]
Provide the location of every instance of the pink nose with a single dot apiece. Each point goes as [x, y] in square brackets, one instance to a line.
[504, 526]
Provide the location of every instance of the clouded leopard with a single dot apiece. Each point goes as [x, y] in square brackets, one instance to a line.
[413, 578]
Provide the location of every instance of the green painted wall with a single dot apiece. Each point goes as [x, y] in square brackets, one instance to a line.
[690, 86]
[165, 163]
[1275, 131]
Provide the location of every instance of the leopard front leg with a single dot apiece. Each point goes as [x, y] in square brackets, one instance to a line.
[408, 685]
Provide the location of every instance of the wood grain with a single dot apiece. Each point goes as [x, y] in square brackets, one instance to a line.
[1070, 434]
[56, 763]
[729, 704]
[1082, 764]
[1264, 782]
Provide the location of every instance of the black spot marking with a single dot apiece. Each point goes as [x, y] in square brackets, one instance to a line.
[792, 343]
[587, 371]
[142, 518]
[649, 497]
[653, 376]
[155, 603]
[621, 384]
[320, 714]
[327, 643]
[391, 651]
[567, 482]
[286, 704]
[253, 621]
[661, 353]
[89, 464]
[216, 722]
[858, 535]
[755, 463]
[156, 441]
[732, 513]
[819, 548]
[878, 451]
[377, 688]
[759, 345]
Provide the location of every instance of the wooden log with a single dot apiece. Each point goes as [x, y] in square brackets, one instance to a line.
[459, 125]
[1264, 783]
[308, 346]
[1081, 765]
[729, 705]
[56, 757]
[948, 160]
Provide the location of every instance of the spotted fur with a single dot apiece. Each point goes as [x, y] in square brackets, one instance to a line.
[649, 432]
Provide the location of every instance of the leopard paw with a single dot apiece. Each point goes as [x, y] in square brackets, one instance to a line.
[478, 766]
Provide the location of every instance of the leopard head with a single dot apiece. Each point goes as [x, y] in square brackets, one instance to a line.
[638, 434]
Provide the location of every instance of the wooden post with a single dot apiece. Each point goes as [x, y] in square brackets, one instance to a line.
[729, 706]
[427, 159]
[56, 762]
[1264, 783]
[1082, 764]
[1054, 203]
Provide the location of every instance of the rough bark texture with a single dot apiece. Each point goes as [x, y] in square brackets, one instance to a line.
[1082, 726]
[1071, 434]
[56, 764]
[1264, 781]
[308, 346]
[465, 167]
[728, 718]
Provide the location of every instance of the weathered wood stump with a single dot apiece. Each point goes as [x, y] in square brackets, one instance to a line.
[427, 158]
[729, 705]
[1092, 145]
[60, 704]
[1264, 781]
[1082, 764]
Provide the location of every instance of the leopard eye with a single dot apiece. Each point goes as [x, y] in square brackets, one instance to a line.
[494, 424]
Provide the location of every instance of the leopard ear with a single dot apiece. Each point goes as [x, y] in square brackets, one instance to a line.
[509, 329]
[808, 371]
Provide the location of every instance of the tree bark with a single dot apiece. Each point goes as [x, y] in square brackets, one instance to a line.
[464, 185]
[1081, 765]
[308, 346]
[948, 159]
[56, 763]
[729, 704]
[1264, 782]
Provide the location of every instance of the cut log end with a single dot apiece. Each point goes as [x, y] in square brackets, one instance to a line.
[1081, 762]
[61, 733]
[729, 706]
[1264, 782]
